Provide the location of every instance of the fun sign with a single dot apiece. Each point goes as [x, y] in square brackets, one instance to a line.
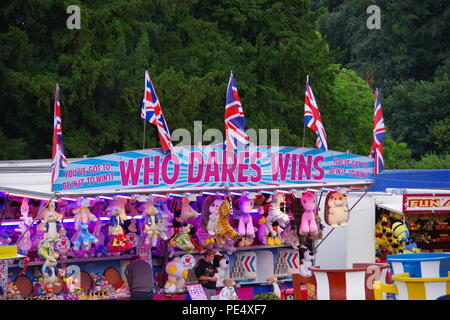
[433, 203]
[211, 167]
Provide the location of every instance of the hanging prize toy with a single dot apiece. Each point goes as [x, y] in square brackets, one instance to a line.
[24, 244]
[52, 223]
[182, 240]
[118, 242]
[82, 218]
[224, 230]
[276, 220]
[308, 225]
[150, 223]
[246, 230]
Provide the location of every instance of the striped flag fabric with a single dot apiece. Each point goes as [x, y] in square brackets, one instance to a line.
[312, 118]
[234, 118]
[59, 160]
[151, 111]
[379, 134]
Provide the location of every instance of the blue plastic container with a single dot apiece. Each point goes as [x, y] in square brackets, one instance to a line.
[421, 265]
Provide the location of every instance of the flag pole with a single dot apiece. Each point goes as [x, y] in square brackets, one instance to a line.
[304, 124]
[143, 143]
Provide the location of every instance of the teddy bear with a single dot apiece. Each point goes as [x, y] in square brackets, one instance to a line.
[228, 292]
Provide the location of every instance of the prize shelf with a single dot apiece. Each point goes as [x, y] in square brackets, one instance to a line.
[430, 231]
[256, 247]
[74, 260]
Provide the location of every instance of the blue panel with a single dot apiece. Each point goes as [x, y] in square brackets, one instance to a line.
[424, 179]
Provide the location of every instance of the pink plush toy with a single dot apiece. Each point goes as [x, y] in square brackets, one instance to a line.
[308, 223]
[245, 228]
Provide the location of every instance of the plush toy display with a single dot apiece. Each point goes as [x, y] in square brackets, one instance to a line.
[276, 220]
[308, 225]
[246, 230]
[223, 228]
[336, 212]
[228, 292]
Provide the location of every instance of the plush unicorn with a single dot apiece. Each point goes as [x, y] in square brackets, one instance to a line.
[276, 220]
[245, 228]
[308, 225]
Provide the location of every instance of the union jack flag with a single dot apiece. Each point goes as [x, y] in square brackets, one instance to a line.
[312, 118]
[379, 134]
[234, 118]
[59, 160]
[152, 112]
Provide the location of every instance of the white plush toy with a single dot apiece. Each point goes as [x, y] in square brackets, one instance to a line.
[224, 264]
[307, 260]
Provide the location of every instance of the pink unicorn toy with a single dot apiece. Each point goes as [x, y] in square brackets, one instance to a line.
[308, 223]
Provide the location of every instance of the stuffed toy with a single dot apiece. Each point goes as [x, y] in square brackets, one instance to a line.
[164, 219]
[50, 272]
[151, 228]
[222, 264]
[208, 221]
[276, 220]
[52, 225]
[307, 261]
[245, 228]
[308, 225]
[182, 240]
[100, 248]
[228, 292]
[223, 228]
[25, 244]
[400, 231]
[336, 212]
[176, 277]
[118, 217]
[187, 213]
[83, 215]
[62, 247]
[275, 286]
[130, 208]
[263, 231]
[83, 238]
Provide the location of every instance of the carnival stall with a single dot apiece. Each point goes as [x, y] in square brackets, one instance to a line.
[257, 206]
